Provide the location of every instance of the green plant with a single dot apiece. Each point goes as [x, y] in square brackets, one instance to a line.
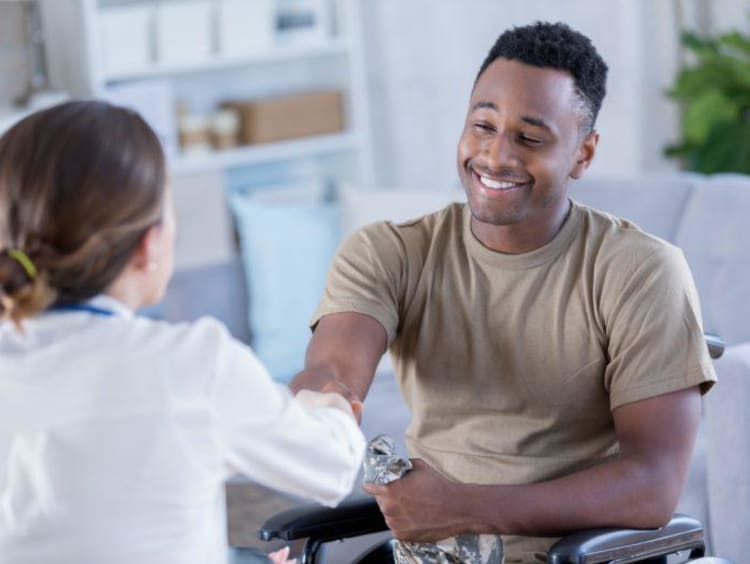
[715, 93]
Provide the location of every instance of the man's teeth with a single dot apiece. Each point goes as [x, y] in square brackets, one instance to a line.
[495, 185]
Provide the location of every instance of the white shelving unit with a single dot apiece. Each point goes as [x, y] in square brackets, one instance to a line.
[279, 54]
[73, 34]
[267, 153]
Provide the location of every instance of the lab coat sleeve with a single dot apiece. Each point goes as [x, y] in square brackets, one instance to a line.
[306, 446]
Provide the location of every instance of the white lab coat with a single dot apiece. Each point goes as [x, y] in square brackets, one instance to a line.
[117, 433]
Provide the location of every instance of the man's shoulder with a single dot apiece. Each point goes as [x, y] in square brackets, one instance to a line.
[617, 237]
[451, 212]
[416, 232]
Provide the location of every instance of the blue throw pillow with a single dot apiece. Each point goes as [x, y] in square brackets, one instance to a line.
[287, 248]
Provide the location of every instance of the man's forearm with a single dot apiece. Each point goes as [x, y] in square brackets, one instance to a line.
[637, 489]
[426, 507]
[342, 356]
[313, 378]
[623, 492]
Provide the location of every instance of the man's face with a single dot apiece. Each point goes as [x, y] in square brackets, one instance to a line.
[521, 142]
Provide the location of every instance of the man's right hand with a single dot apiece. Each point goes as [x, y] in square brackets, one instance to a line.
[328, 385]
[355, 403]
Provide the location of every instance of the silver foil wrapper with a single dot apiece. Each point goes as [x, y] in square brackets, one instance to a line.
[382, 465]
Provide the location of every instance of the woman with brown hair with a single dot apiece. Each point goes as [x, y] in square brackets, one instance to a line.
[117, 431]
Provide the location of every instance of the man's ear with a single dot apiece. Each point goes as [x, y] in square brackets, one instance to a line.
[585, 154]
[146, 253]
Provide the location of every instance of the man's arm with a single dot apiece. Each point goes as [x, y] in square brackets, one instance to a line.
[342, 356]
[637, 489]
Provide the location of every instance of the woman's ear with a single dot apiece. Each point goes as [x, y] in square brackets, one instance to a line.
[584, 154]
[147, 253]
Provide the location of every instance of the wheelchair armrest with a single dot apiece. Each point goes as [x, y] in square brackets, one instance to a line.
[716, 345]
[629, 545]
[350, 519]
[362, 516]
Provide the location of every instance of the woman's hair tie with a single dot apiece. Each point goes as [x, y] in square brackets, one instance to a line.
[23, 259]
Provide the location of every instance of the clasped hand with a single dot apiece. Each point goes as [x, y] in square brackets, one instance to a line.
[323, 383]
[422, 506]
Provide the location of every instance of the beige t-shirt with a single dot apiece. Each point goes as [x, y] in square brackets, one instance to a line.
[512, 364]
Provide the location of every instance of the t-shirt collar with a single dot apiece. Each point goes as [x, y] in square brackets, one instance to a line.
[531, 259]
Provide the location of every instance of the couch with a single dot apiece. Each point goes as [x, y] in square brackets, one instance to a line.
[709, 218]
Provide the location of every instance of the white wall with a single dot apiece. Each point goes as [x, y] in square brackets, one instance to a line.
[14, 71]
[727, 14]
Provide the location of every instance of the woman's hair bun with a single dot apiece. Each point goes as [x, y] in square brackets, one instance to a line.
[23, 290]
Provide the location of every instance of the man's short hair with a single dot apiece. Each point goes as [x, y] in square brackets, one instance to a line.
[557, 46]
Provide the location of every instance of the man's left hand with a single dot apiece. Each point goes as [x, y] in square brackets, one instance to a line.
[422, 506]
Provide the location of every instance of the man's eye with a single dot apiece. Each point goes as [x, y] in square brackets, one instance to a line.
[530, 140]
[483, 126]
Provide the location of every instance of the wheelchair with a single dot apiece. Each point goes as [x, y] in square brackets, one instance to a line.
[681, 540]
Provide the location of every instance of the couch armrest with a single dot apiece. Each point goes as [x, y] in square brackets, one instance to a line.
[624, 545]
[726, 424]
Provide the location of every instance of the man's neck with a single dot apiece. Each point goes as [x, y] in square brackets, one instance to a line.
[522, 237]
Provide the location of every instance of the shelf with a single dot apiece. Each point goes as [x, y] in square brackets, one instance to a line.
[261, 154]
[279, 54]
[296, 61]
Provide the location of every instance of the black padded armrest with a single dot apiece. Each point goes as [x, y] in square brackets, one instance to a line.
[350, 519]
[362, 516]
[624, 545]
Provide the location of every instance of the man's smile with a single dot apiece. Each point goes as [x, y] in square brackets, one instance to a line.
[485, 184]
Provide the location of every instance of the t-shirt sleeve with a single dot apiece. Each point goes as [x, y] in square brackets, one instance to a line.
[367, 276]
[277, 440]
[654, 329]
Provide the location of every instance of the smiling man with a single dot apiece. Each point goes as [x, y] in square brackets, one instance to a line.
[551, 355]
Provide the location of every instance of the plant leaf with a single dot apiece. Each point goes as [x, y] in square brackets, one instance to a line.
[697, 44]
[707, 109]
[736, 41]
[718, 71]
[727, 149]
[715, 92]
[681, 150]
[692, 81]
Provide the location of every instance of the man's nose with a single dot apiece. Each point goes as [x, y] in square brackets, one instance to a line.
[500, 152]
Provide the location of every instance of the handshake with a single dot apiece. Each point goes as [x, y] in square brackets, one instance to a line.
[318, 389]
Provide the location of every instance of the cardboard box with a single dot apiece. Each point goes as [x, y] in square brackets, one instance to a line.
[289, 117]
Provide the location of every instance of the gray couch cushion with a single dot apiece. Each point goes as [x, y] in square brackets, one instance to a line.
[217, 290]
[727, 420]
[653, 202]
[715, 235]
